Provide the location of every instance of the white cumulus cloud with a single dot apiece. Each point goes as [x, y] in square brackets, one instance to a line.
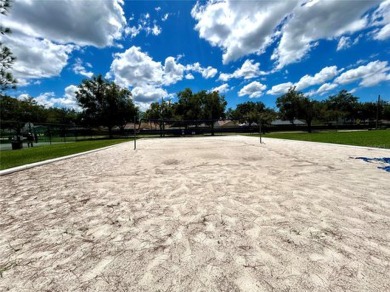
[280, 88]
[46, 32]
[382, 19]
[326, 87]
[79, 68]
[154, 30]
[384, 33]
[173, 72]
[133, 31]
[240, 27]
[344, 43]
[165, 17]
[49, 99]
[331, 18]
[369, 75]
[89, 22]
[148, 94]
[248, 70]
[137, 70]
[134, 67]
[221, 89]
[144, 24]
[253, 89]
[209, 72]
[324, 75]
[37, 58]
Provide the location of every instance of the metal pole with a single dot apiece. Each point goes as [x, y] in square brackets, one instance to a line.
[260, 130]
[135, 135]
[50, 135]
[162, 117]
[377, 112]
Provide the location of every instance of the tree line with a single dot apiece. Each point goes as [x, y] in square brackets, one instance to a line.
[104, 103]
[14, 110]
[342, 107]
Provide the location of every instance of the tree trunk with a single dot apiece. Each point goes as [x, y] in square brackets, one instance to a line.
[308, 126]
[110, 132]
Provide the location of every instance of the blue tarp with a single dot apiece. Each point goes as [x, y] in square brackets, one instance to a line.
[382, 160]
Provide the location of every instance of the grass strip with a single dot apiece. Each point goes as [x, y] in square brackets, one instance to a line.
[374, 138]
[13, 158]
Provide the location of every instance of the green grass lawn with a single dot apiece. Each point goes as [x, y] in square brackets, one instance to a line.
[12, 158]
[377, 138]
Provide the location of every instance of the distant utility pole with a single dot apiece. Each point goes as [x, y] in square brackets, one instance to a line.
[162, 118]
[377, 112]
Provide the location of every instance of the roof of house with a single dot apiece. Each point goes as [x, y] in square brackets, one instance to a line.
[287, 122]
[225, 124]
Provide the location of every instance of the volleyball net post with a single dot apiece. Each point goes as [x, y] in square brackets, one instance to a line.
[260, 130]
[135, 133]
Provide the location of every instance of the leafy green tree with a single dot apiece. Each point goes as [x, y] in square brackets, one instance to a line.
[62, 116]
[167, 110]
[252, 112]
[7, 59]
[249, 111]
[25, 110]
[203, 105]
[15, 113]
[323, 113]
[153, 112]
[343, 105]
[386, 111]
[189, 106]
[368, 111]
[289, 104]
[160, 112]
[31, 111]
[214, 105]
[267, 116]
[157, 111]
[232, 114]
[9, 108]
[104, 103]
[309, 111]
[295, 105]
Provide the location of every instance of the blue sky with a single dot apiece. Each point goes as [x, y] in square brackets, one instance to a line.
[248, 50]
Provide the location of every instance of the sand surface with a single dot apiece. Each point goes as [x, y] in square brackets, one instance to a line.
[199, 214]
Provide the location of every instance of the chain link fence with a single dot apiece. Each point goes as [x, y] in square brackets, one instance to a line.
[17, 135]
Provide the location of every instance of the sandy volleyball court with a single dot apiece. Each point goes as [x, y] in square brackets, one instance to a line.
[199, 214]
